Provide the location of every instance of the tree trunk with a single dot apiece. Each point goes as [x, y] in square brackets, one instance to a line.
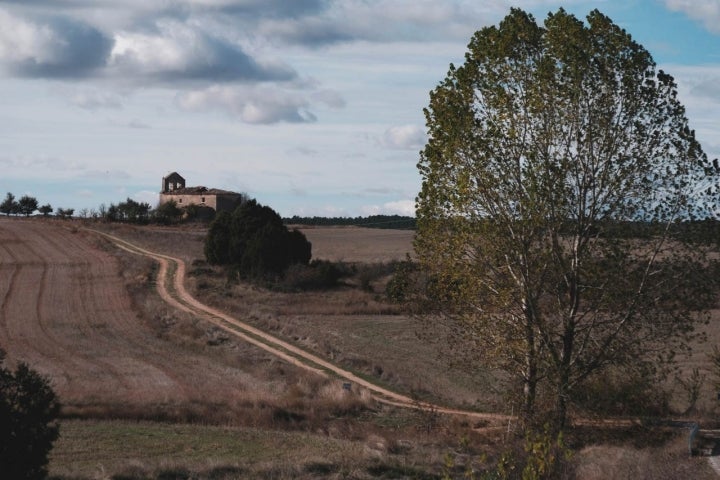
[563, 381]
[530, 380]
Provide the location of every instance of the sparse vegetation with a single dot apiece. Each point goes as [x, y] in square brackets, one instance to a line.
[356, 328]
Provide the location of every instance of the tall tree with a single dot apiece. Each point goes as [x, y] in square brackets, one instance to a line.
[27, 205]
[9, 205]
[544, 139]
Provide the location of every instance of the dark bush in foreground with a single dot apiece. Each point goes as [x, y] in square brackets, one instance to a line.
[28, 409]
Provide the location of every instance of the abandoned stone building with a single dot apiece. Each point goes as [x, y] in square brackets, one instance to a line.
[173, 188]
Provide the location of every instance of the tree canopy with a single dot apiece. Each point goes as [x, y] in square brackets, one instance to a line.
[254, 240]
[9, 205]
[28, 410]
[27, 205]
[544, 138]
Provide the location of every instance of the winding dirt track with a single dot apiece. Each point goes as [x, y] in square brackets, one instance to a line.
[170, 285]
[65, 310]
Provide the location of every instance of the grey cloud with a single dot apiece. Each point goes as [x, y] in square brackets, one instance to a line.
[94, 100]
[274, 8]
[137, 124]
[181, 53]
[51, 47]
[308, 31]
[381, 21]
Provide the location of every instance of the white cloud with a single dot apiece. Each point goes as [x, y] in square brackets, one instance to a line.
[705, 11]
[406, 137]
[38, 166]
[399, 207]
[146, 196]
[257, 105]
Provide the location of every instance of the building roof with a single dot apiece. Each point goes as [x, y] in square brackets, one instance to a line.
[200, 191]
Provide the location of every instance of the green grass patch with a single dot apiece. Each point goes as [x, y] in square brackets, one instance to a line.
[87, 449]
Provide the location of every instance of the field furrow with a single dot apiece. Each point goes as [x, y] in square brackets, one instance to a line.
[66, 311]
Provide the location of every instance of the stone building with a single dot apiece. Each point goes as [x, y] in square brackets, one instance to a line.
[173, 188]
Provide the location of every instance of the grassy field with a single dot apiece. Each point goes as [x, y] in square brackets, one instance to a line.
[286, 424]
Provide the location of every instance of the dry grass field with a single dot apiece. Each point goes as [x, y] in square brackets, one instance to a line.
[149, 392]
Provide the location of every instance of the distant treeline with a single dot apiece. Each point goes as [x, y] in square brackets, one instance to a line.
[395, 222]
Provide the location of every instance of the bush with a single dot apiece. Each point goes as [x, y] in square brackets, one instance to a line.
[28, 410]
[320, 274]
[623, 392]
[402, 283]
[254, 241]
[168, 213]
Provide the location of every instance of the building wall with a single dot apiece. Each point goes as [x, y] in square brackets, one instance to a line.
[185, 200]
[226, 202]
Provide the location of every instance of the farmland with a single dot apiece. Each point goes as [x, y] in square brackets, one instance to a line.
[147, 388]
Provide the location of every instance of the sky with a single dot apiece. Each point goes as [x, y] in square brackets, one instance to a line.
[314, 107]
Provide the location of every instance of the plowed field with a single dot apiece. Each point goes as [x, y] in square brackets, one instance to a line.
[65, 310]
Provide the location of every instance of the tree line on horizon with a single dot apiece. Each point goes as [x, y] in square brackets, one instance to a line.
[27, 205]
[395, 222]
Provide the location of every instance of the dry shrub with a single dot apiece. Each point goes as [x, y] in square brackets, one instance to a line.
[671, 461]
[623, 393]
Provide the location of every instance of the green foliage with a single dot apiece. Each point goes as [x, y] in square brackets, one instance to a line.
[9, 205]
[217, 242]
[27, 205]
[168, 213]
[65, 212]
[543, 456]
[255, 242]
[403, 282]
[46, 209]
[28, 410]
[545, 453]
[558, 167]
[128, 211]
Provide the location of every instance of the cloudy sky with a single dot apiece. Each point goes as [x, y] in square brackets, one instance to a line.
[312, 106]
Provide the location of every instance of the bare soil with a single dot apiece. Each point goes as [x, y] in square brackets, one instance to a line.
[67, 312]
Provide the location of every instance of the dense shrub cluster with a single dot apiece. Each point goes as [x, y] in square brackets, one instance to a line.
[254, 241]
[28, 409]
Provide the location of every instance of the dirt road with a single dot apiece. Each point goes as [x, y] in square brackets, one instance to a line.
[66, 311]
[170, 284]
